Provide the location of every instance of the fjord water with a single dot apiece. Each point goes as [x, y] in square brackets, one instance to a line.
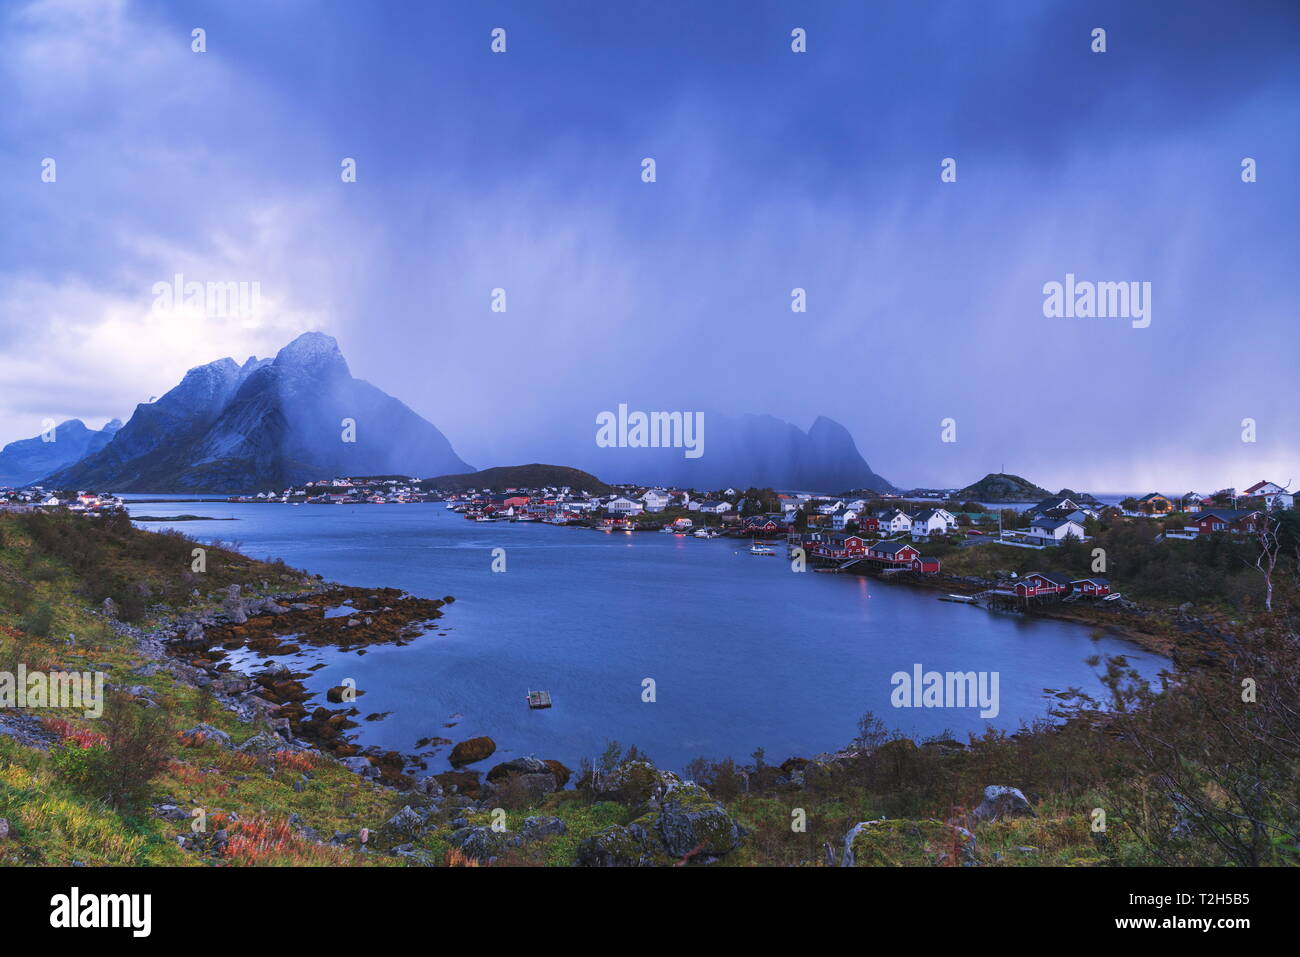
[744, 652]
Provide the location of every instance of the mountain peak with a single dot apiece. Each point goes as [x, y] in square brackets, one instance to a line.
[310, 347]
[265, 424]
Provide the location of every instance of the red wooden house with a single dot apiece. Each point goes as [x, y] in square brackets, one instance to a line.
[840, 547]
[923, 564]
[1091, 587]
[1234, 521]
[869, 524]
[1038, 584]
[896, 553]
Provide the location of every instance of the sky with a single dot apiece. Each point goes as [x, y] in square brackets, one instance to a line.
[775, 170]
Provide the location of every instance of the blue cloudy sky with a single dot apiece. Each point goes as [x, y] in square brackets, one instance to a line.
[775, 170]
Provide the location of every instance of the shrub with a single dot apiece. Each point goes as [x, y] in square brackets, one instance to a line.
[39, 621]
[138, 745]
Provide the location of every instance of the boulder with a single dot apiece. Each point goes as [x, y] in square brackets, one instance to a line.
[402, 828]
[516, 766]
[890, 843]
[262, 743]
[562, 774]
[528, 778]
[429, 786]
[459, 782]
[480, 843]
[622, 846]
[472, 750]
[690, 821]
[637, 784]
[537, 828]
[231, 684]
[208, 733]
[1001, 801]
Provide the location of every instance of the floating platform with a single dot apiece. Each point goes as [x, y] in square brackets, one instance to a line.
[539, 699]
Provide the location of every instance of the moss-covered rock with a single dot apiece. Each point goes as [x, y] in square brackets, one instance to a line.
[690, 822]
[888, 843]
[472, 750]
[636, 784]
[562, 774]
[622, 846]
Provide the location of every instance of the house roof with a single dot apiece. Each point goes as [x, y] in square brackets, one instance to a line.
[1227, 514]
[890, 548]
[1055, 502]
[1094, 580]
[1150, 495]
[1054, 523]
[1056, 578]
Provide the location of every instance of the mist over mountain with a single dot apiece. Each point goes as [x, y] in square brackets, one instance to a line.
[265, 424]
[26, 460]
[743, 451]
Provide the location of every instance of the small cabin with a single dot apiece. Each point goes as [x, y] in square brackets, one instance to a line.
[1091, 587]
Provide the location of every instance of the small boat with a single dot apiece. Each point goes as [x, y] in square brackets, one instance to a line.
[758, 548]
[960, 599]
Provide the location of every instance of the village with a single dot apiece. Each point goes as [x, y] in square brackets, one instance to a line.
[878, 533]
[885, 534]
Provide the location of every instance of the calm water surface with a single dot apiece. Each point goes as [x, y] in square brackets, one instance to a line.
[744, 653]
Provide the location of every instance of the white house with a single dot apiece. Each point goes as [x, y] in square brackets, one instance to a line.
[1051, 531]
[840, 519]
[894, 521]
[933, 521]
[656, 500]
[710, 507]
[623, 506]
[1274, 495]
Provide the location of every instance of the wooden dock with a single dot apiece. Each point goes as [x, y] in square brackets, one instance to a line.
[539, 699]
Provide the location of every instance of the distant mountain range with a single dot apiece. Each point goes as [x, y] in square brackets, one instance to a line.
[273, 423]
[745, 451]
[27, 460]
[266, 424]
